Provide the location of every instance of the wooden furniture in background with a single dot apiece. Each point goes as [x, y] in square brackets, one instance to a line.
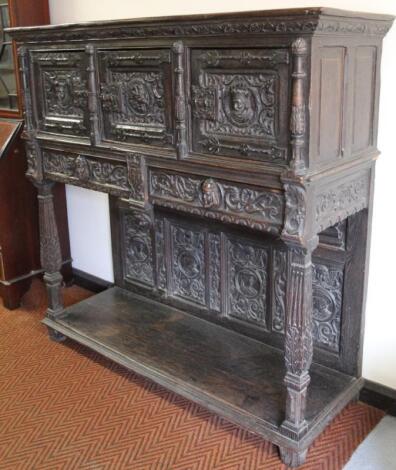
[239, 152]
[19, 243]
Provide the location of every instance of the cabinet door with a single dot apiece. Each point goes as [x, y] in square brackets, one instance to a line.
[136, 96]
[239, 102]
[62, 92]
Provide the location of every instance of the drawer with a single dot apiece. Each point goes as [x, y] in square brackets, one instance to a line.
[61, 86]
[136, 95]
[239, 101]
[257, 208]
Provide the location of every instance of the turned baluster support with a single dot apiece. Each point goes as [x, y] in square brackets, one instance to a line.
[50, 252]
[298, 345]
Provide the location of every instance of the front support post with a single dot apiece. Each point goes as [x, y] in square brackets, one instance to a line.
[298, 345]
[50, 252]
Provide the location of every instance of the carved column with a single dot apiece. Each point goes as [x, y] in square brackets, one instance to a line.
[92, 96]
[180, 104]
[50, 251]
[25, 75]
[298, 116]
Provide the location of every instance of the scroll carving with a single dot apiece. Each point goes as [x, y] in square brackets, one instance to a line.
[215, 199]
[68, 168]
[341, 200]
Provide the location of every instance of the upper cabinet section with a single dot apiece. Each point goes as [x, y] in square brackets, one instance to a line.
[135, 89]
[290, 92]
[61, 90]
[239, 102]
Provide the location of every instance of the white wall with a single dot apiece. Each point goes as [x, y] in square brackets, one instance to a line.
[88, 211]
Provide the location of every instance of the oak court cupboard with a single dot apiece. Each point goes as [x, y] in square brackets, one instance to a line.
[238, 151]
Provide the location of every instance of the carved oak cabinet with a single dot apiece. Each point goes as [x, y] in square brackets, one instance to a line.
[238, 151]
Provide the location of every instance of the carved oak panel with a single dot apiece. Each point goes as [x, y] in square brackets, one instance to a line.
[62, 88]
[138, 259]
[247, 278]
[188, 263]
[239, 99]
[228, 202]
[136, 95]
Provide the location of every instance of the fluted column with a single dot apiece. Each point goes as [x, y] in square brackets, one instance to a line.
[50, 251]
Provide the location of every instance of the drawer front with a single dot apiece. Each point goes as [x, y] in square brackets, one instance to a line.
[239, 102]
[136, 96]
[62, 92]
[87, 171]
[228, 202]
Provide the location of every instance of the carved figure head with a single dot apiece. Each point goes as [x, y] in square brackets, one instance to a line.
[138, 97]
[81, 169]
[63, 91]
[211, 196]
[240, 104]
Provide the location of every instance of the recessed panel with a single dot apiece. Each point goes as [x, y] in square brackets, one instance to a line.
[62, 87]
[136, 96]
[239, 99]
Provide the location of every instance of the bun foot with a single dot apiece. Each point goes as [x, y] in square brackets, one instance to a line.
[55, 335]
[292, 458]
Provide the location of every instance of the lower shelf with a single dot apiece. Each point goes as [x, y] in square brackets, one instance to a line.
[228, 373]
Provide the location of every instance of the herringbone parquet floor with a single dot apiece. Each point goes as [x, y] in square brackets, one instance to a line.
[64, 407]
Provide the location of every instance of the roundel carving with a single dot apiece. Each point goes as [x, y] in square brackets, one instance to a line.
[240, 105]
[324, 304]
[189, 264]
[248, 283]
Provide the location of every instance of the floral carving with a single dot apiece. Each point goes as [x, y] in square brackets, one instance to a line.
[279, 283]
[135, 176]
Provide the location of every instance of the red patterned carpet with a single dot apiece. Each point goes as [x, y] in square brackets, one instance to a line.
[64, 407]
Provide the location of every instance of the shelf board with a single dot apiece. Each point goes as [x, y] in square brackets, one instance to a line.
[233, 375]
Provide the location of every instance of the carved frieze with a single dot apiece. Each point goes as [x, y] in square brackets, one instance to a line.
[309, 23]
[247, 269]
[340, 200]
[217, 199]
[85, 171]
[138, 247]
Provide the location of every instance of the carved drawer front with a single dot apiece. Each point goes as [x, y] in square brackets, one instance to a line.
[136, 95]
[87, 171]
[61, 85]
[239, 100]
[233, 203]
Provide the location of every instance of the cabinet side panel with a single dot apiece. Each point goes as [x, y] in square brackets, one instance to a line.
[363, 98]
[331, 103]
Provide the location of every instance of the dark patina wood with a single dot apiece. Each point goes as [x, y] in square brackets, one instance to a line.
[238, 151]
[19, 237]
